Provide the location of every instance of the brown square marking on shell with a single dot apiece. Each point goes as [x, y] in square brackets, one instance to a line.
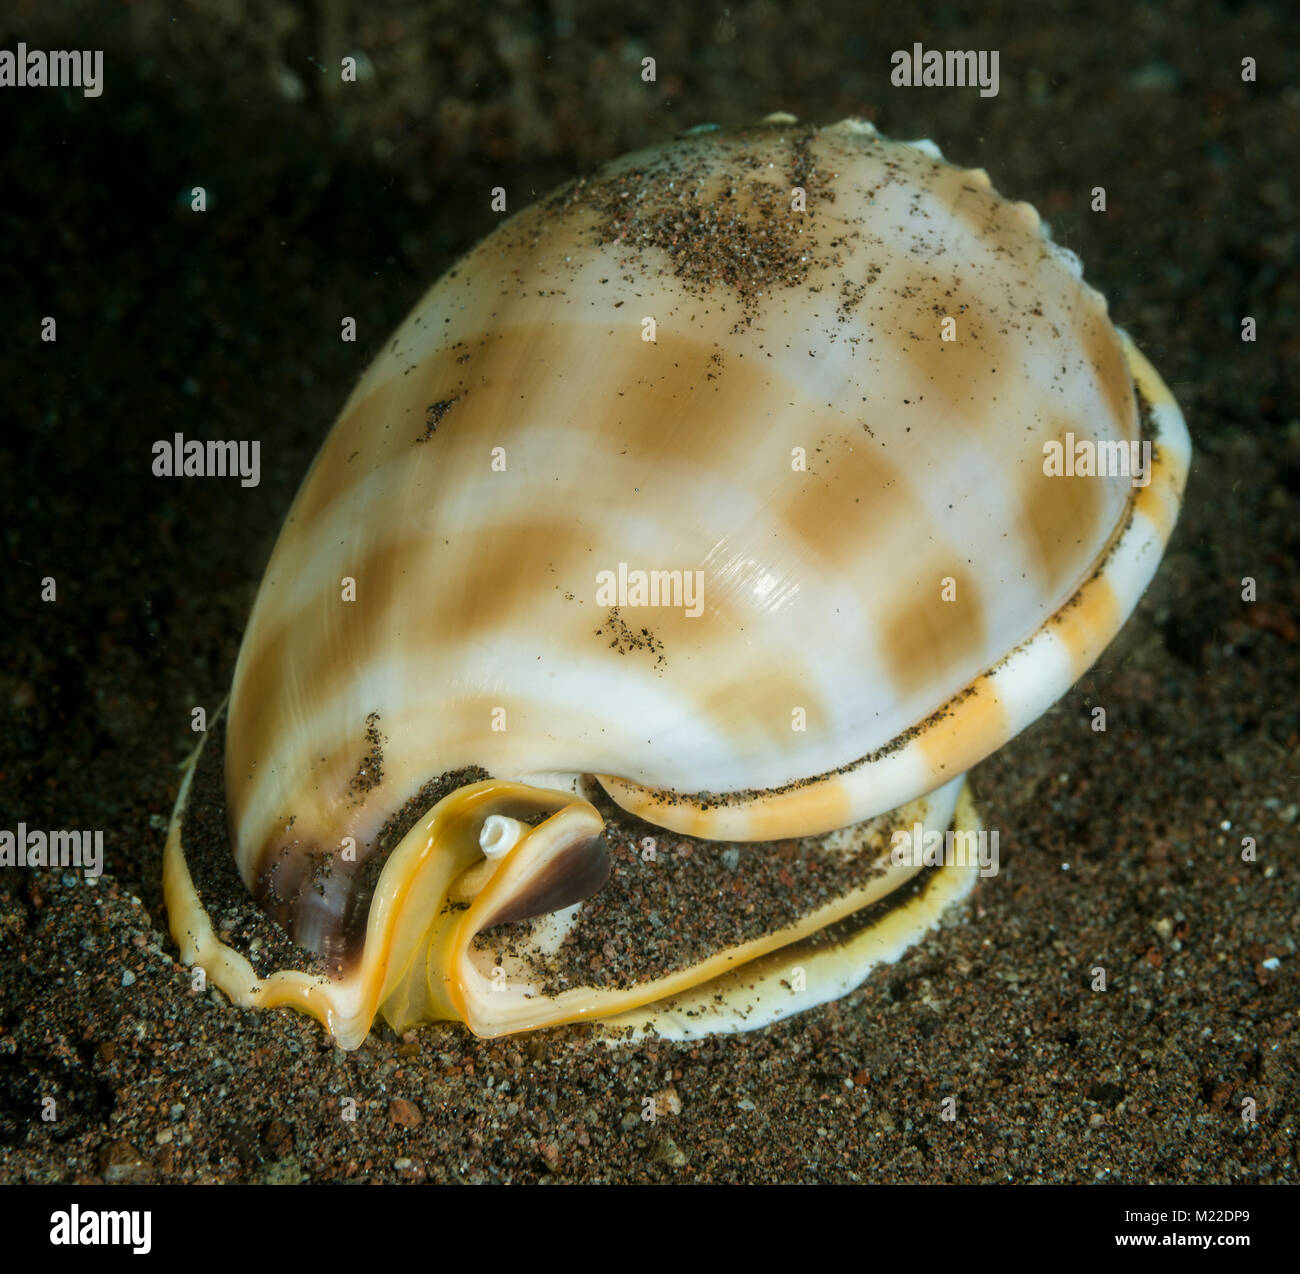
[1060, 518]
[923, 633]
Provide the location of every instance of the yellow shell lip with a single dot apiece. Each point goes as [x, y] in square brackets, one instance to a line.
[448, 933]
[412, 904]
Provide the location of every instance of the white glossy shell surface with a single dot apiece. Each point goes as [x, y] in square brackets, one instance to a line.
[519, 436]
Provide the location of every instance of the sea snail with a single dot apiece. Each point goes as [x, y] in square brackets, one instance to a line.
[681, 552]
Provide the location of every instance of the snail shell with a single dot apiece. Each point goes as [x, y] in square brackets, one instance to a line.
[801, 382]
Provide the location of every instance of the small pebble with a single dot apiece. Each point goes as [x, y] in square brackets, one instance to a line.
[667, 1152]
[404, 1114]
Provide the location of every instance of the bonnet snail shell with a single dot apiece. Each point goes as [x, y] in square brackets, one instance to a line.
[707, 507]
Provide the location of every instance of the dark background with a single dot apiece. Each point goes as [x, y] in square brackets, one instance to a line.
[328, 199]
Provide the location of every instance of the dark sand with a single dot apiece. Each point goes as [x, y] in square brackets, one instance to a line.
[1120, 849]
